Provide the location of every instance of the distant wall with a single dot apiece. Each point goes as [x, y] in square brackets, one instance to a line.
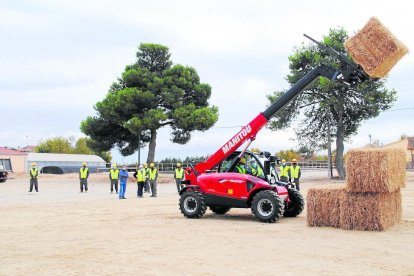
[17, 162]
[57, 169]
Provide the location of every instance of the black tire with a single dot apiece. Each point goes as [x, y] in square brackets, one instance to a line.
[219, 210]
[296, 204]
[267, 206]
[192, 204]
[2, 180]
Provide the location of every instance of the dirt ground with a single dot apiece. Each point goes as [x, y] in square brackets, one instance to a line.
[60, 231]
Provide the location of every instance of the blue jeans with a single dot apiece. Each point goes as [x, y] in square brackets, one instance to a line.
[122, 189]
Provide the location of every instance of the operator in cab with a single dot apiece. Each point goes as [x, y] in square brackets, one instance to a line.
[255, 169]
[241, 166]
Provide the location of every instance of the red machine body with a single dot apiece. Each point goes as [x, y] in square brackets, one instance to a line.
[235, 187]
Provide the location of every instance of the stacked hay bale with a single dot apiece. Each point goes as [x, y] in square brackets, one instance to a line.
[371, 199]
[323, 205]
[375, 48]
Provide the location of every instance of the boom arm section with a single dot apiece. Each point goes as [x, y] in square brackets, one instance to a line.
[251, 129]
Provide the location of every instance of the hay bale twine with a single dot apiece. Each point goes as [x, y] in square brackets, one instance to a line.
[375, 48]
[370, 211]
[375, 170]
[323, 206]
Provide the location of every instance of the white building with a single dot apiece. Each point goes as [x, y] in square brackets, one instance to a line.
[63, 163]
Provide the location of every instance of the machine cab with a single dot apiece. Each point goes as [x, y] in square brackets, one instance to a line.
[261, 165]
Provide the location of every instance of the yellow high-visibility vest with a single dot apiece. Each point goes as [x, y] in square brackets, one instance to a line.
[141, 175]
[179, 173]
[33, 173]
[284, 171]
[257, 172]
[114, 174]
[152, 174]
[294, 171]
[240, 169]
[84, 172]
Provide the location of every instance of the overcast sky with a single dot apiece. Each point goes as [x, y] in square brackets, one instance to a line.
[58, 58]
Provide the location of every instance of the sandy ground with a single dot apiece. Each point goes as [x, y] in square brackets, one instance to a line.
[60, 231]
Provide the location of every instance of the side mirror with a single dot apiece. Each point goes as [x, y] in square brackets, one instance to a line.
[273, 159]
[266, 154]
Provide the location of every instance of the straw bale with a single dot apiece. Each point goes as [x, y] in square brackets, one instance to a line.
[370, 211]
[323, 206]
[375, 48]
[375, 170]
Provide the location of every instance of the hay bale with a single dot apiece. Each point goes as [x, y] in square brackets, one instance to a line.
[375, 48]
[370, 211]
[375, 170]
[323, 206]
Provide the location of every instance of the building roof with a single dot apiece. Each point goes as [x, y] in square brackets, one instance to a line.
[7, 151]
[28, 148]
[63, 157]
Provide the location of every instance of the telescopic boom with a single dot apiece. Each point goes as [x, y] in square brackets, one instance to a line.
[349, 73]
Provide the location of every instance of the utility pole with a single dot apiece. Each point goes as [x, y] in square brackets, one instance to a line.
[330, 174]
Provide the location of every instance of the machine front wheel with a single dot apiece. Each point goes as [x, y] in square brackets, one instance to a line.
[296, 204]
[192, 204]
[267, 206]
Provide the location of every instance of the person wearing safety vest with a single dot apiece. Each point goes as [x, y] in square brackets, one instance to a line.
[114, 178]
[83, 176]
[140, 176]
[256, 170]
[294, 173]
[147, 182]
[34, 173]
[284, 172]
[179, 176]
[240, 167]
[123, 178]
[153, 175]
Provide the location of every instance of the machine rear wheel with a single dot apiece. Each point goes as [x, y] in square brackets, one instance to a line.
[192, 204]
[219, 210]
[296, 204]
[267, 206]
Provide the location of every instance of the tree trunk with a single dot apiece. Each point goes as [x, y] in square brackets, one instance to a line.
[339, 160]
[151, 148]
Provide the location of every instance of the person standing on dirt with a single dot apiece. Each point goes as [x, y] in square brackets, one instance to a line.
[114, 178]
[34, 173]
[179, 176]
[153, 176]
[147, 181]
[123, 179]
[83, 177]
[284, 171]
[295, 173]
[140, 176]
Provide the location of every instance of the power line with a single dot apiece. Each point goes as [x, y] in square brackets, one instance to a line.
[398, 109]
[297, 120]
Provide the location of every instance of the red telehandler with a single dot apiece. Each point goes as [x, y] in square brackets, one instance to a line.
[214, 184]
